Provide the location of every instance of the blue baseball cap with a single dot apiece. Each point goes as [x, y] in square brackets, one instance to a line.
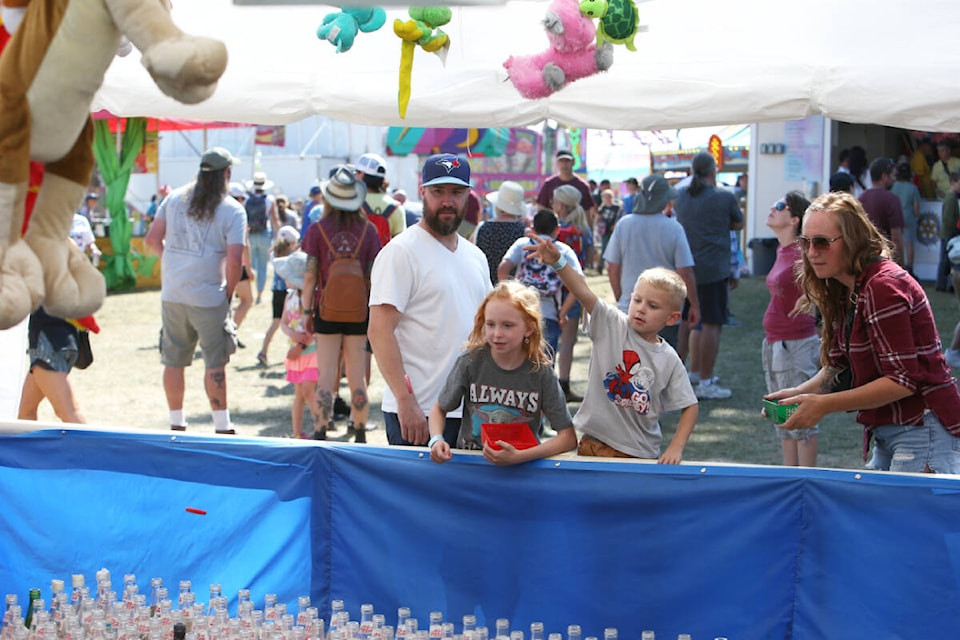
[446, 168]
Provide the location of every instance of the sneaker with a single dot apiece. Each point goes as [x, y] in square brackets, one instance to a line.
[952, 356]
[320, 435]
[226, 432]
[710, 390]
[262, 358]
[240, 344]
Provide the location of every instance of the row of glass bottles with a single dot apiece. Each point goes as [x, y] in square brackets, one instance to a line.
[100, 616]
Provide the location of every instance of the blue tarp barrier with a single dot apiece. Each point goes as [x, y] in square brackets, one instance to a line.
[741, 552]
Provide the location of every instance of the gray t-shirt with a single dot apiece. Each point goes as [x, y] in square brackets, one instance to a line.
[494, 395]
[643, 241]
[629, 384]
[706, 219]
[194, 250]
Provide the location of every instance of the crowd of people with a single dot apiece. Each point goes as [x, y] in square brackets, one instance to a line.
[473, 324]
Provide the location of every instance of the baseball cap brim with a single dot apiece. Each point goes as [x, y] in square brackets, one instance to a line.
[446, 180]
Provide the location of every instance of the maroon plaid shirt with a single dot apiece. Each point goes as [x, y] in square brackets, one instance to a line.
[894, 336]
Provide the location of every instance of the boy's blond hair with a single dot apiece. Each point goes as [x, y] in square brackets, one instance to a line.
[667, 281]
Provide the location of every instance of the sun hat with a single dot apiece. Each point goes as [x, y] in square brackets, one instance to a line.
[343, 191]
[236, 190]
[508, 198]
[259, 182]
[288, 234]
[446, 168]
[372, 164]
[655, 192]
[567, 194]
[291, 268]
[216, 159]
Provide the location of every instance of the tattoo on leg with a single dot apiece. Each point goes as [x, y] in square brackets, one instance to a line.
[218, 378]
[325, 402]
[359, 399]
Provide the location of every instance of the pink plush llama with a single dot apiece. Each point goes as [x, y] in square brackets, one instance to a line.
[572, 55]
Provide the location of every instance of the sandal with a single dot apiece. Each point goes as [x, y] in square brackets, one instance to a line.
[262, 358]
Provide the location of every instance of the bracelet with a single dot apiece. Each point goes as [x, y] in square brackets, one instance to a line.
[559, 264]
[434, 440]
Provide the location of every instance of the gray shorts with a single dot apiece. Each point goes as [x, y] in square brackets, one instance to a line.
[185, 325]
[789, 363]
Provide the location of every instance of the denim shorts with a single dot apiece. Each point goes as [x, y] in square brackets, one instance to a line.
[913, 449]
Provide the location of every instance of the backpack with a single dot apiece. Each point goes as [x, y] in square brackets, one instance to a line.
[571, 236]
[381, 221]
[533, 273]
[256, 206]
[345, 294]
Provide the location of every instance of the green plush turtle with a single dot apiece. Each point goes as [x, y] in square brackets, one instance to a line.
[618, 20]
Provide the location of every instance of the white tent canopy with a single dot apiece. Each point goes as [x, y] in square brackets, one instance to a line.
[702, 62]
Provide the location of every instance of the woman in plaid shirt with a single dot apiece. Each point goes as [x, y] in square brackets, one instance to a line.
[880, 351]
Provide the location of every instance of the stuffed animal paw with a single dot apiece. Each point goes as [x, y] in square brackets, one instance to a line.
[21, 283]
[340, 29]
[186, 68]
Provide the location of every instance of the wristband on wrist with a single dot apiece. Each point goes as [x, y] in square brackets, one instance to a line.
[559, 264]
[433, 440]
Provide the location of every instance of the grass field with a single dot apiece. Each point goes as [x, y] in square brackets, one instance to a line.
[123, 386]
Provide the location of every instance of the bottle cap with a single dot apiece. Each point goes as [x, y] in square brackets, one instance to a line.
[76, 580]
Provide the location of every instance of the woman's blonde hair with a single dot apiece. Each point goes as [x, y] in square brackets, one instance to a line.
[527, 301]
[862, 244]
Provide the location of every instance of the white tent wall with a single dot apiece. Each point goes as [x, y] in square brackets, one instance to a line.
[701, 63]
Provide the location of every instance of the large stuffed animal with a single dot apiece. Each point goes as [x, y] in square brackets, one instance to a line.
[572, 54]
[50, 70]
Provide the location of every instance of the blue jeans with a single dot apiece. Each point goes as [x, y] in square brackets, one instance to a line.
[913, 449]
[259, 250]
[551, 335]
[391, 423]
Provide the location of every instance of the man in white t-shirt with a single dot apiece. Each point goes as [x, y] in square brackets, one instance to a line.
[426, 286]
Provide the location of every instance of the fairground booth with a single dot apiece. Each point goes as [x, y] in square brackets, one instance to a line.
[705, 549]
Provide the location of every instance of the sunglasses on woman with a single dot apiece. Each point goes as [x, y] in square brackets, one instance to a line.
[779, 205]
[820, 243]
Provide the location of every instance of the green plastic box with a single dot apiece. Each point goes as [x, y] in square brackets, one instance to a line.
[778, 413]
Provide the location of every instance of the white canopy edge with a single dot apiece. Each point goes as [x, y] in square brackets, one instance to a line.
[701, 63]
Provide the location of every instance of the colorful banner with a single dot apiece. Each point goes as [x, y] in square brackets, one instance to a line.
[271, 136]
[402, 141]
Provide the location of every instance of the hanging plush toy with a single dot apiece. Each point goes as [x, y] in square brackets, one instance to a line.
[573, 53]
[619, 20]
[341, 28]
[51, 69]
[421, 30]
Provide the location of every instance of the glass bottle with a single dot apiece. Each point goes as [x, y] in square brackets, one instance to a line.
[35, 604]
[76, 581]
[446, 631]
[303, 604]
[573, 632]
[555, 636]
[683, 636]
[481, 633]
[366, 621]
[216, 591]
[648, 635]
[502, 628]
[436, 625]
[403, 614]
[516, 634]
[184, 590]
[536, 631]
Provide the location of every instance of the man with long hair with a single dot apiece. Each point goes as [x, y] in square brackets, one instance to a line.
[199, 232]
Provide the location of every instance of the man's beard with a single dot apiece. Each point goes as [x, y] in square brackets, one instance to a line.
[439, 227]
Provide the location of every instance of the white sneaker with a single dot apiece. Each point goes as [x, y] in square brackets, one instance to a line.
[710, 390]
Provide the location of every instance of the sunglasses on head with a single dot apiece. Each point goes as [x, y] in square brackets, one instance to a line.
[779, 205]
[820, 243]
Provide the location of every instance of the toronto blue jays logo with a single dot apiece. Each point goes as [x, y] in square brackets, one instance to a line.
[449, 164]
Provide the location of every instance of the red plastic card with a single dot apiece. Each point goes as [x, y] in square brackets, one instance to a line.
[516, 433]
